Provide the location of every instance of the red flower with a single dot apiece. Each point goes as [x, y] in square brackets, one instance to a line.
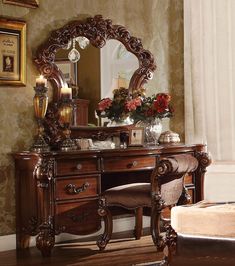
[161, 103]
[133, 104]
[104, 104]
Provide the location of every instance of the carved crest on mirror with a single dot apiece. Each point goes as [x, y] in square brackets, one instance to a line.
[98, 31]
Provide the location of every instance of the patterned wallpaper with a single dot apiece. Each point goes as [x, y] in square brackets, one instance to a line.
[159, 23]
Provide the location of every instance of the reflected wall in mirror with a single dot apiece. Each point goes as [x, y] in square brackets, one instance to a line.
[96, 74]
[97, 77]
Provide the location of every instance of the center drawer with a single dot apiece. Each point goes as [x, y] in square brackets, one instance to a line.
[76, 166]
[76, 187]
[128, 163]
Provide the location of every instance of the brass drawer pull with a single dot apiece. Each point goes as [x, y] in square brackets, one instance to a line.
[72, 189]
[79, 166]
[134, 163]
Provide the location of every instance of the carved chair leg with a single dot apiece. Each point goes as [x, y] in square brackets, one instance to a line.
[104, 212]
[138, 223]
[45, 240]
[169, 245]
[157, 206]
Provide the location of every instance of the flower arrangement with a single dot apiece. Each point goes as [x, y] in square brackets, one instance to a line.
[156, 106]
[120, 107]
[136, 106]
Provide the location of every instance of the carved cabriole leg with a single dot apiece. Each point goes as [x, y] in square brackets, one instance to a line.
[104, 212]
[169, 244]
[45, 240]
[157, 206]
[138, 223]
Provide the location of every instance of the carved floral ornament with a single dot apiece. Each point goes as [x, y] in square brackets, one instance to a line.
[98, 31]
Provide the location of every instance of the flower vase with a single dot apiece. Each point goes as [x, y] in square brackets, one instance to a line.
[119, 123]
[153, 130]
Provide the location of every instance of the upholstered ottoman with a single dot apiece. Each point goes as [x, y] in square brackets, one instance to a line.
[205, 234]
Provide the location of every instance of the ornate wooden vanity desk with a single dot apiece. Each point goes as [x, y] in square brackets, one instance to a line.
[58, 191]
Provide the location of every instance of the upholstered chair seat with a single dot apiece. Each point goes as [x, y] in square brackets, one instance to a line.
[133, 196]
[125, 196]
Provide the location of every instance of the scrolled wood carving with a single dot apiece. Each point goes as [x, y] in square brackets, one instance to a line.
[178, 164]
[204, 160]
[98, 31]
[44, 169]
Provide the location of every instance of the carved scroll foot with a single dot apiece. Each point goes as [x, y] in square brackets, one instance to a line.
[45, 241]
[104, 212]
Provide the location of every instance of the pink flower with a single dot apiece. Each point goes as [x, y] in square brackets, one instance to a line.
[132, 104]
[104, 104]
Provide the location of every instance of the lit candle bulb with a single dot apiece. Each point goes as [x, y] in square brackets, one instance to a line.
[41, 81]
[66, 92]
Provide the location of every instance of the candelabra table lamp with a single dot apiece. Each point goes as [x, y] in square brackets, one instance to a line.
[40, 102]
[66, 113]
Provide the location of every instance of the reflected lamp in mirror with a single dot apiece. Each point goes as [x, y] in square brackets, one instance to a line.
[40, 102]
[119, 82]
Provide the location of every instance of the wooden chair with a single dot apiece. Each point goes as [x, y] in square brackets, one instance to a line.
[165, 189]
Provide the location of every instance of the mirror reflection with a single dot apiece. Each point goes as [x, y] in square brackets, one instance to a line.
[94, 73]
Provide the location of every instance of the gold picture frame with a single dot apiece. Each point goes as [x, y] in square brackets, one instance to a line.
[136, 136]
[23, 3]
[12, 52]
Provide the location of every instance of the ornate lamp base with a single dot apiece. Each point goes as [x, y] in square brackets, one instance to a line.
[68, 145]
[40, 145]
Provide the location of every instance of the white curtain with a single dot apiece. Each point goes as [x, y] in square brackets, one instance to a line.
[209, 63]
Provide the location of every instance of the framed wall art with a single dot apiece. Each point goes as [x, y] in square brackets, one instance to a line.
[12, 52]
[136, 136]
[23, 3]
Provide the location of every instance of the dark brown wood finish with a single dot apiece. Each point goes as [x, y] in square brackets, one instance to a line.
[80, 112]
[54, 194]
[98, 31]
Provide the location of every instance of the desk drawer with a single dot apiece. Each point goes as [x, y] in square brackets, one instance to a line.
[128, 163]
[77, 187]
[76, 166]
[77, 217]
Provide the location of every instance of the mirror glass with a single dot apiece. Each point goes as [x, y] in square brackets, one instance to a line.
[95, 75]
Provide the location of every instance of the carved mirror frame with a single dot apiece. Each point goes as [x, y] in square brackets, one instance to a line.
[98, 31]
